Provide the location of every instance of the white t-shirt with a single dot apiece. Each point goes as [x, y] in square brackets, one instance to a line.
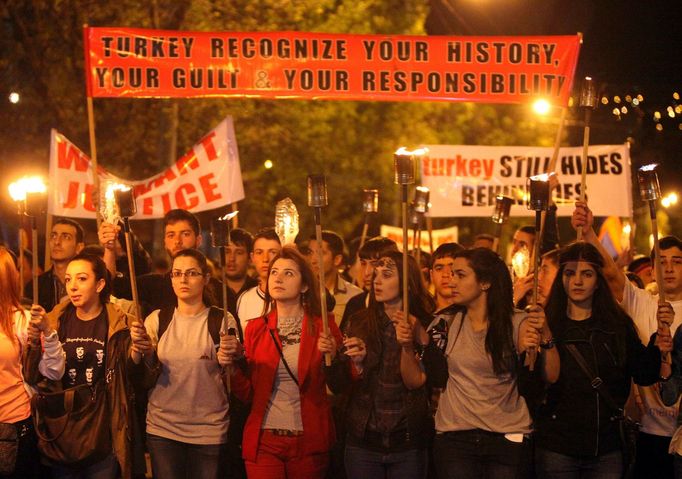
[642, 307]
[189, 402]
[250, 306]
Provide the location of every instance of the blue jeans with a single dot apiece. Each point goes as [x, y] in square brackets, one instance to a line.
[476, 454]
[552, 465]
[362, 463]
[180, 460]
[105, 469]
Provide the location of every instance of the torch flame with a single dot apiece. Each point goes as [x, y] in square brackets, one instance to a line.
[418, 152]
[521, 262]
[649, 167]
[27, 184]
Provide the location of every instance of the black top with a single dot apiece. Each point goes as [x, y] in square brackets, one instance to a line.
[575, 420]
[50, 290]
[84, 344]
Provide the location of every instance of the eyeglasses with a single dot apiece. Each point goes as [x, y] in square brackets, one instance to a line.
[187, 274]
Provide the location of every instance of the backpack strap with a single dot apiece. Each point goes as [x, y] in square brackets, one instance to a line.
[215, 322]
[165, 317]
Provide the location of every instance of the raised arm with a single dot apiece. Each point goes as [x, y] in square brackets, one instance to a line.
[582, 219]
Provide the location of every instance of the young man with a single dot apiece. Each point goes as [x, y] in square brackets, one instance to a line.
[524, 237]
[332, 258]
[441, 273]
[66, 241]
[250, 304]
[370, 252]
[237, 261]
[658, 421]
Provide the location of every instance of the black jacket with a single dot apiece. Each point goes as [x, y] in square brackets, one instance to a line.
[575, 420]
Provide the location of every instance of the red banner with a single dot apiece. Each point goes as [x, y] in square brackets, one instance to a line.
[131, 62]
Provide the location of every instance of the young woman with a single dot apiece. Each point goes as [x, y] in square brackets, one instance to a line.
[482, 420]
[577, 431]
[96, 340]
[187, 412]
[15, 334]
[388, 421]
[279, 370]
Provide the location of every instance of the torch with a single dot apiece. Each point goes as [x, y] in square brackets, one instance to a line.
[220, 238]
[34, 190]
[421, 207]
[370, 204]
[317, 198]
[125, 207]
[18, 194]
[500, 217]
[650, 191]
[286, 221]
[539, 201]
[588, 101]
[404, 163]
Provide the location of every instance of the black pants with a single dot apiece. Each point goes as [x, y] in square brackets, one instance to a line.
[28, 458]
[653, 459]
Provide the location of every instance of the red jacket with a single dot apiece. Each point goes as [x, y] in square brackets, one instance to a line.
[256, 385]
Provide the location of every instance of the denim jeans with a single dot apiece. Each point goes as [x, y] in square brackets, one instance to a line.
[476, 454]
[363, 463]
[180, 460]
[105, 469]
[552, 465]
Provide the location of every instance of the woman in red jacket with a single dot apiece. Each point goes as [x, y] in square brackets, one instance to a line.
[279, 369]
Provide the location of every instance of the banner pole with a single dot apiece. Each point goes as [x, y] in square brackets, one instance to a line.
[91, 124]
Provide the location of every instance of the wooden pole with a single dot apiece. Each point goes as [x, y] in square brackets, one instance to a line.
[406, 304]
[131, 269]
[93, 160]
[34, 273]
[320, 270]
[21, 256]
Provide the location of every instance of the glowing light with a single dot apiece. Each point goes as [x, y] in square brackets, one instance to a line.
[541, 106]
[108, 207]
[627, 229]
[521, 262]
[669, 200]
[616, 99]
[671, 112]
[657, 115]
[14, 97]
[635, 102]
[640, 98]
[624, 110]
[676, 96]
[616, 111]
[604, 100]
[628, 98]
[267, 164]
[27, 184]
[659, 127]
[649, 167]
[418, 152]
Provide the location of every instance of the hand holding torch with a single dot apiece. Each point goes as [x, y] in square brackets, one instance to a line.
[370, 205]
[588, 101]
[317, 199]
[650, 192]
[500, 217]
[404, 165]
[539, 188]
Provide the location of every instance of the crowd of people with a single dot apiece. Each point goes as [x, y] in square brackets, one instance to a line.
[478, 378]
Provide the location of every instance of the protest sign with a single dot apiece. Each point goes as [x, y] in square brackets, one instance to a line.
[133, 62]
[464, 180]
[206, 177]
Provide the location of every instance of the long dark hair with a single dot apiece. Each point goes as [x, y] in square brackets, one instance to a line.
[310, 299]
[499, 340]
[421, 304]
[100, 271]
[604, 305]
[207, 295]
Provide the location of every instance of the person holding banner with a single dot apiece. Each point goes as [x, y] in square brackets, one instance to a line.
[658, 420]
[388, 420]
[187, 412]
[281, 372]
[578, 429]
[96, 339]
[15, 395]
[482, 421]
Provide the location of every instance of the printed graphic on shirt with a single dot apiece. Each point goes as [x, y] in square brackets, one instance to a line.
[84, 345]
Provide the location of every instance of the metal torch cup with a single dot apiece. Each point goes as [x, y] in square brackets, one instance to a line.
[500, 216]
[370, 205]
[317, 199]
[539, 196]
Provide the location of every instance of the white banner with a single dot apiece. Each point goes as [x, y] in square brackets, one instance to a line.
[207, 177]
[445, 235]
[464, 180]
